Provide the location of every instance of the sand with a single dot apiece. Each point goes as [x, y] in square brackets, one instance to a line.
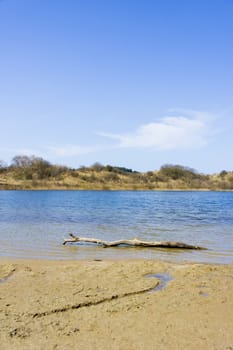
[112, 305]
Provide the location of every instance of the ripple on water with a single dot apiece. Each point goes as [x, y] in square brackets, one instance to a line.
[33, 223]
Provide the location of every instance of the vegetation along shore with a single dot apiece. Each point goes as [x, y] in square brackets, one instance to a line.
[31, 172]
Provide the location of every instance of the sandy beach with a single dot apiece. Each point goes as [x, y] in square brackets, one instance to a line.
[115, 305]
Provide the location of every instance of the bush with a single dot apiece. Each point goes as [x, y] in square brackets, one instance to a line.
[176, 172]
[97, 167]
[223, 173]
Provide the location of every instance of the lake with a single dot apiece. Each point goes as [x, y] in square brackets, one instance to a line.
[33, 224]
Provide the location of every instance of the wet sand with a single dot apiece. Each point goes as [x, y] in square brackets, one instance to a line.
[115, 305]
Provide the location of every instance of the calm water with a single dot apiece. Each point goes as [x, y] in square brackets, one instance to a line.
[33, 223]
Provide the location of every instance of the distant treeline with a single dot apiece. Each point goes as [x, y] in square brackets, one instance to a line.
[31, 167]
[31, 172]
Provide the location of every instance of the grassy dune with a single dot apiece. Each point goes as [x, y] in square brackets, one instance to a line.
[36, 173]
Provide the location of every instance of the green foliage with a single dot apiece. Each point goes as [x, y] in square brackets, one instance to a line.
[122, 169]
[223, 173]
[176, 172]
[109, 168]
[119, 169]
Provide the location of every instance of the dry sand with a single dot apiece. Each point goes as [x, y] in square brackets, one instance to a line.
[109, 305]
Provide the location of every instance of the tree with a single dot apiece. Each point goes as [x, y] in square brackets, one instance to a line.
[31, 167]
[22, 161]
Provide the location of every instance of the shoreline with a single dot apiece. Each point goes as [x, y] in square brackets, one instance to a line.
[30, 260]
[118, 189]
[97, 304]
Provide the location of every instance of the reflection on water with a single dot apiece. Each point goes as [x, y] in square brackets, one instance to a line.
[33, 223]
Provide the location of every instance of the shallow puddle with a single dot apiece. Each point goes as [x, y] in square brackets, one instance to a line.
[164, 278]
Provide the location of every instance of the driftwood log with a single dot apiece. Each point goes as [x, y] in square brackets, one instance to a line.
[131, 242]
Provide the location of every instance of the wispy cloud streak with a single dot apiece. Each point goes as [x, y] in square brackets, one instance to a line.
[189, 130]
[182, 129]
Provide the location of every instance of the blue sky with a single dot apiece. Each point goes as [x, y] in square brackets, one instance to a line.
[123, 82]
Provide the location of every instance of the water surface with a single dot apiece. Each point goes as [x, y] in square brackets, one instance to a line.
[33, 223]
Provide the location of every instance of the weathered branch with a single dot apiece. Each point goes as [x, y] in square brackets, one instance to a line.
[131, 242]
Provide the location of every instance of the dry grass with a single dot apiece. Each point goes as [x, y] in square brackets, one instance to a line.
[115, 179]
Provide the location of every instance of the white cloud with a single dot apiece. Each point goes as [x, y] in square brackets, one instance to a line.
[182, 129]
[187, 131]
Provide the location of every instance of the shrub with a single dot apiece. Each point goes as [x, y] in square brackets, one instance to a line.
[177, 172]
